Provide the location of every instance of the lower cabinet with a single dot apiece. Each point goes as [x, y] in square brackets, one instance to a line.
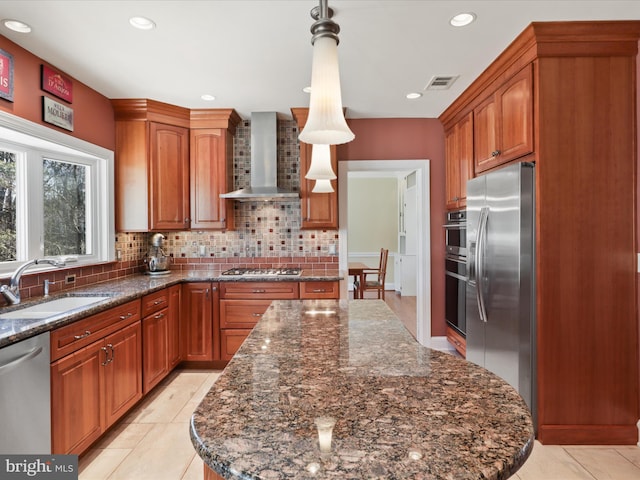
[96, 384]
[457, 340]
[199, 327]
[160, 335]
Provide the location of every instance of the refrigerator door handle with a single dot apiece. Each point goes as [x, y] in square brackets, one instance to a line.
[480, 252]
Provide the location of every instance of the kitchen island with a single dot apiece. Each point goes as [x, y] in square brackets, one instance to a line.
[399, 410]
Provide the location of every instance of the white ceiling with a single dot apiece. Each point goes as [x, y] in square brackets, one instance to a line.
[255, 55]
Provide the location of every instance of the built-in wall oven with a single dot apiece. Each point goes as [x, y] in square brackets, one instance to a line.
[456, 270]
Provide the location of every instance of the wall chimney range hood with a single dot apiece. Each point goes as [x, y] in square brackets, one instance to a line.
[264, 163]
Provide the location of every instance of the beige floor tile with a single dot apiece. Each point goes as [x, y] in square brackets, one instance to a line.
[194, 472]
[605, 464]
[165, 406]
[191, 379]
[184, 415]
[125, 435]
[98, 464]
[164, 454]
[630, 453]
[551, 462]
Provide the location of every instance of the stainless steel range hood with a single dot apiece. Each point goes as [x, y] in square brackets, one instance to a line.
[264, 163]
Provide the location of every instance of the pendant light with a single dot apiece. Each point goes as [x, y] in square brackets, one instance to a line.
[326, 123]
[322, 186]
[320, 168]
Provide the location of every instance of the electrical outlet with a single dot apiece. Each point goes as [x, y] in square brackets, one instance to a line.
[69, 279]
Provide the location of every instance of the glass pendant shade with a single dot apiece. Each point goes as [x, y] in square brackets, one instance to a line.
[325, 123]
[322, 186]
[320, 168]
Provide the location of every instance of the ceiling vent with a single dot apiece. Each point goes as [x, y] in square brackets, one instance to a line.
[441, 82]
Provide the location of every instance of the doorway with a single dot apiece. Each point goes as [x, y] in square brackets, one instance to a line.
[420, 192]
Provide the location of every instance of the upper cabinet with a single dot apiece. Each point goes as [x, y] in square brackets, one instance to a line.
[503, 123]
[171, 165]
[319, 210]
[459, 161]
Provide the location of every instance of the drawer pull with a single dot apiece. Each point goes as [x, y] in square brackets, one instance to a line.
[261, 290]
[257, 314]
[124, 317]
[160, 315]
[158, 302]
[495, 153]
[84, 335]
[319, 290]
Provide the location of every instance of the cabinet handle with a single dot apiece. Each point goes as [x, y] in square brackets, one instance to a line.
[319, 290]
[85, 334]
[160, 315]
[113, 352]
[124, 317]
[495, 153]
[158, 302]
[106, 357]
[259, 291]
[257, 314]
[206, 293]
[187, 220]
[214, 289]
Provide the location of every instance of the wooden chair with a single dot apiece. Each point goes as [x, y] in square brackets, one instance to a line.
[379, 273]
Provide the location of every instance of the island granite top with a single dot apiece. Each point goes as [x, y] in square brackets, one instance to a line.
[401, 410]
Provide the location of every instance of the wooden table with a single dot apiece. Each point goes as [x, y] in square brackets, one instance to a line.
[357, 270]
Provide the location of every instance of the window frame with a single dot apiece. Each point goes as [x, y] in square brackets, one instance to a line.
[39, 142]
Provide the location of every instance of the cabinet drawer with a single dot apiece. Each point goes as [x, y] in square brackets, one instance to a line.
[155, 301]
[320, 290]
[259, 290]
[231, 340]
[457, 341]
[70, 338]
[242, 313]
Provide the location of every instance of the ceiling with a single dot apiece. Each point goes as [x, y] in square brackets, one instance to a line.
[255, 55]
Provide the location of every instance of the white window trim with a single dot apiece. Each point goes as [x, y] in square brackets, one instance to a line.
[18, 130]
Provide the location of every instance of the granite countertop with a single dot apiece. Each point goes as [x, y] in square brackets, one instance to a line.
[120, 291]
[401, 410]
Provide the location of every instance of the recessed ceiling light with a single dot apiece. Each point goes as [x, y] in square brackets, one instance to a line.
[143, 23]
[306, 89]
[413, 95]
[462, 19]
[16, 25]
[207, 97]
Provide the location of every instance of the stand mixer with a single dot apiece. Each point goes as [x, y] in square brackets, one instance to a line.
[155, 260]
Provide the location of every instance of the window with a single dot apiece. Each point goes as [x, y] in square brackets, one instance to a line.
[56, 196]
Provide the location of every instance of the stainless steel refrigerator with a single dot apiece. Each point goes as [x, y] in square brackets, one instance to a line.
[500, 266]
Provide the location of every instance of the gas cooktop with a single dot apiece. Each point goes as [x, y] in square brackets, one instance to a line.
[262, 272]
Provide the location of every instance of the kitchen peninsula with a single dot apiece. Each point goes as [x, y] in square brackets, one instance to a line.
[400, 410]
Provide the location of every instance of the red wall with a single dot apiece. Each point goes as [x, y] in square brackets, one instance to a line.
[93, 114]
[410, 139]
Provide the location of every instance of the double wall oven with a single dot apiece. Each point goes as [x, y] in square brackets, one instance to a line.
[456, 270]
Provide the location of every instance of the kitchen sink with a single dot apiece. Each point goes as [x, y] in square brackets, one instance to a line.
[53, 307]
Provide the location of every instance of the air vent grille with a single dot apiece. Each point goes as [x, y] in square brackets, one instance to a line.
[441, 82]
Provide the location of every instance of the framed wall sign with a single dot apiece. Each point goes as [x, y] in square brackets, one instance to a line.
[57, 114]
[6, 75]
[56, 84]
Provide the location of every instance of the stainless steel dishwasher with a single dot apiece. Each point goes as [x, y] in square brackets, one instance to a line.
[25, 398]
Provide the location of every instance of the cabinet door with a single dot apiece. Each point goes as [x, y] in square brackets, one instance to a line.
[452, 166]
[459, 161]
[485, 137]
[319, 210]
[231, 340]
[197, 330]
[173, 326]
[155, 355]
[242, 313]
[208, 166]
[169, 182]
[123, 372]
[76, 396]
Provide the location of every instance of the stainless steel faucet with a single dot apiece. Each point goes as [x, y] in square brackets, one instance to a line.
[12, 291]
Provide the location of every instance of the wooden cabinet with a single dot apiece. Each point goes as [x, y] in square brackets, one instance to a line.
[160, 335]
[320, 290]
[95, 380]
[503, 123]
[161, 178]
[200, 313]
[459, 161]
[319, 210]
[585, 131]
[242, 304]
[211, 166]
[458, 341]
